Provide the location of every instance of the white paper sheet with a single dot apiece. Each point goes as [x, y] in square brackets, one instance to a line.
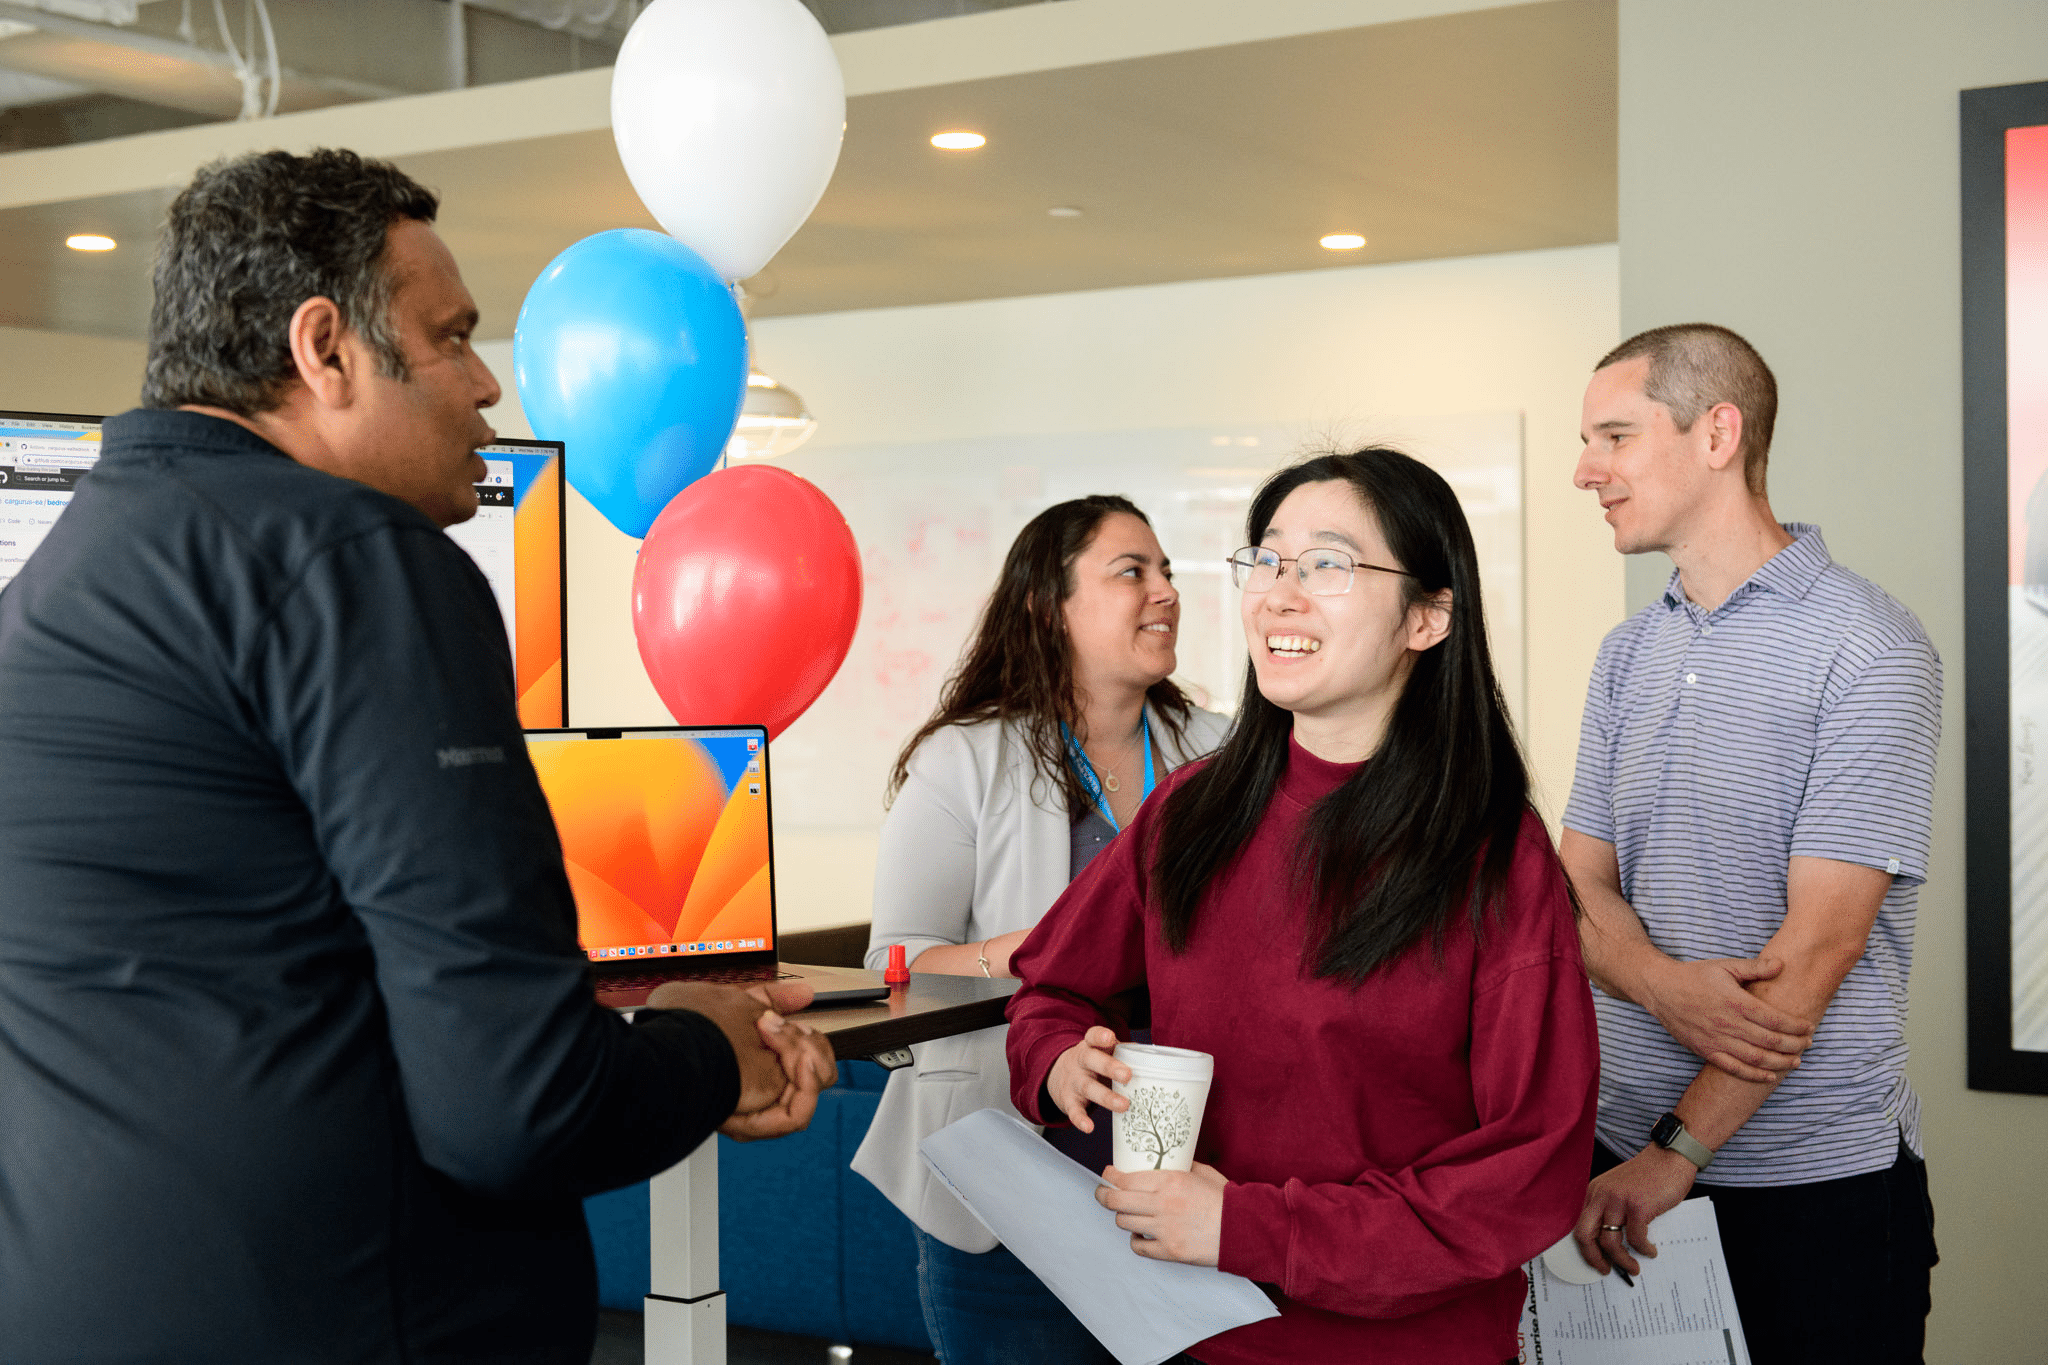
[1042, 1205]
[1680, 1311]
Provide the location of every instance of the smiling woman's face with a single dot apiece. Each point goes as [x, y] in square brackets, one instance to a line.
[1123, 616]
[1337, 662]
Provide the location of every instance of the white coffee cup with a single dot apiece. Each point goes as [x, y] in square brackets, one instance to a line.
[1168, 1088]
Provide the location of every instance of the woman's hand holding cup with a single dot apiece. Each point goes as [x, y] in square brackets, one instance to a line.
[1082, 1076]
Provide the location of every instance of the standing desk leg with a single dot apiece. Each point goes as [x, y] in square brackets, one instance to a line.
[685, 1322]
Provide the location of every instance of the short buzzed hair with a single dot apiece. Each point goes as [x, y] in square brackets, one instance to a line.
[1696, 365]
[248, 241]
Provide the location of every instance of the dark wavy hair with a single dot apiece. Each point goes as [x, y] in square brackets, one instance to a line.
[1426, 830]
[248, 241]
[1020, 666]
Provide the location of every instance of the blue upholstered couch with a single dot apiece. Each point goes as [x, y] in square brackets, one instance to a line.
[805, 1245]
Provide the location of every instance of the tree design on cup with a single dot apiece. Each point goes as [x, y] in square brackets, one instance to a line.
[1157, 1122]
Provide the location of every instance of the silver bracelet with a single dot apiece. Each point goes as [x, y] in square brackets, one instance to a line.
[981, 956]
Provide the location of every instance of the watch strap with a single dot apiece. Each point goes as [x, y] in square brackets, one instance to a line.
[1678, 1140]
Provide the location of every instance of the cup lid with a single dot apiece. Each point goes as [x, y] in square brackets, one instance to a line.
[1166, 1063]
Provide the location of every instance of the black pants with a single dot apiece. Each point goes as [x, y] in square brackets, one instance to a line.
[1835, 1271]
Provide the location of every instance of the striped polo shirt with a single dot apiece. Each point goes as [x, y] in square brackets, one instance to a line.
[1797, 719]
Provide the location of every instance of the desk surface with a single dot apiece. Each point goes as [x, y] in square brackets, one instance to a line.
[930, 1006]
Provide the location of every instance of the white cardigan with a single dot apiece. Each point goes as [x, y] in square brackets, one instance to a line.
[976, 845]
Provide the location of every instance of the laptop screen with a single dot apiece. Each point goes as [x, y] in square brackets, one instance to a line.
[666, 836]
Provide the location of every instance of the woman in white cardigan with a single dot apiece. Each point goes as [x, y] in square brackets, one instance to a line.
[1049, 734]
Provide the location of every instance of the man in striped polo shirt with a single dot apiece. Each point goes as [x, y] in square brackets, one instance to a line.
[1748, 831]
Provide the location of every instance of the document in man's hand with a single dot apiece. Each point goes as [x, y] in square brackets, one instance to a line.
[1680, 1311]
[1042, 1205]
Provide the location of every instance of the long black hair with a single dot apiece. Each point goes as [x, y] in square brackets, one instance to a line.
[1020, 665]
[1426, 829]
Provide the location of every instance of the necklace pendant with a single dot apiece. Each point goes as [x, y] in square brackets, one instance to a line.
[1109, 781]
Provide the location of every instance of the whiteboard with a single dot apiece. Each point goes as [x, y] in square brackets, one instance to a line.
[934, 520]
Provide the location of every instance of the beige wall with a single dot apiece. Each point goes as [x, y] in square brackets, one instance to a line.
[1338, 349]
[1790, 170]
[53, 372]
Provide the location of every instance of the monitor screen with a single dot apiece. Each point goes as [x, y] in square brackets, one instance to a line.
[666, 837]
[515, 537]
[42, 455]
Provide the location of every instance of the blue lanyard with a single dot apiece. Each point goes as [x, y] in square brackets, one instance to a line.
[1086, 771]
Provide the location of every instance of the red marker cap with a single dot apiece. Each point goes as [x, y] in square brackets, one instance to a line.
[899, 971]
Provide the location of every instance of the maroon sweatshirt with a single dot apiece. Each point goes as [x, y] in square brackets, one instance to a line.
[1395, 1151]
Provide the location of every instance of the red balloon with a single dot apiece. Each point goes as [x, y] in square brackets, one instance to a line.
[745, 598]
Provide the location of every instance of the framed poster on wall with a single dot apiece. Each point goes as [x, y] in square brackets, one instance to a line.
[2005, 511]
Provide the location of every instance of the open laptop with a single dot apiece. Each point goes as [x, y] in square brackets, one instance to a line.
[666, 834]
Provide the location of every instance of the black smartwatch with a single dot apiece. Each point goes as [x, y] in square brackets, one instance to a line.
[1669, 1133]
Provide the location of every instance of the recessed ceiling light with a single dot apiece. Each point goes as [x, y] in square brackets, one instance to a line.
[89, 241]
[958, 140]
[1063, 211]
[1343, 241]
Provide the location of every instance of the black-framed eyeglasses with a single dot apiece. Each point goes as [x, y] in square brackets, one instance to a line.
[1323, 572]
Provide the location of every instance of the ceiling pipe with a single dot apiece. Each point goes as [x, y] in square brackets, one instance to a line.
[98, 11]
[458, 46]
[604, 21]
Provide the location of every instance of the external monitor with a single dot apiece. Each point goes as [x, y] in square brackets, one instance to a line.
[516, 536]
[516, 539]
[42, 455]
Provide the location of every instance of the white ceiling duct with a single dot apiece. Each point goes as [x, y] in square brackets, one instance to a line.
[173, 71]
[18, 88]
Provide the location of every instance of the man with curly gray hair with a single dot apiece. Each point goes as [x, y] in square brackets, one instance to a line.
[298, 1055]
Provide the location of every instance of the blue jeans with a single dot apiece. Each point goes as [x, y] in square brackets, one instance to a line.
[989, 1309]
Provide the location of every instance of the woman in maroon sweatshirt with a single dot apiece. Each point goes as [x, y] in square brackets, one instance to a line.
[1352, 907]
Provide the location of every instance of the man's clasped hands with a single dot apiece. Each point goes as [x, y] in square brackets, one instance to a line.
[784, 1062]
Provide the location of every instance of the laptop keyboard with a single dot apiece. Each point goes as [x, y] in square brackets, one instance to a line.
[735, 976]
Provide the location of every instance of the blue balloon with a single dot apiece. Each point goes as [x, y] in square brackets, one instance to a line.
[631, 350]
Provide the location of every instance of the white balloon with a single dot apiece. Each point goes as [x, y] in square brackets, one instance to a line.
[728, 115]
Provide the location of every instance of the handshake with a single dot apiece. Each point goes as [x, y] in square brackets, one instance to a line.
[784, 1063]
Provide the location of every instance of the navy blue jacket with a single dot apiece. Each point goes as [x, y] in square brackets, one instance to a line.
[298, 1060]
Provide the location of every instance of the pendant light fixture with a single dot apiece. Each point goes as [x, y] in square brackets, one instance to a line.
[773, 418]
[773, 421]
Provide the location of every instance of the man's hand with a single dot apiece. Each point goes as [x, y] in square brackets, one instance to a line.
[804, 1054]
[1081, 1075]
[1705, 1006]
[1651, 1183]
[783, 1063]
[1171, 1215]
